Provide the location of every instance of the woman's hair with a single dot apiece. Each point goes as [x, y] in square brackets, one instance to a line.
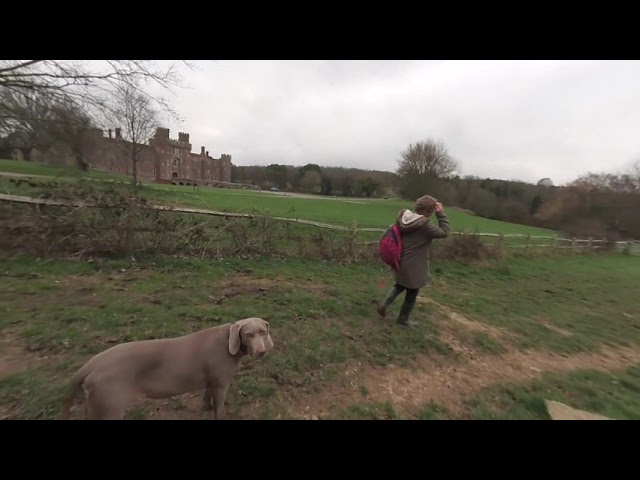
[425, 205]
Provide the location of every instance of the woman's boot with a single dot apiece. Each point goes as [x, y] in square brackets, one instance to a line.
[404, 318]
[391, 296]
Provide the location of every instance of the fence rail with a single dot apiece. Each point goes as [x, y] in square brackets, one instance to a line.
[630, 247]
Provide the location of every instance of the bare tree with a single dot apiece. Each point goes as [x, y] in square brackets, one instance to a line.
[311, 181]
[32, 92]
[135, 111]
[634, 172]
[423, 165]
[627, 181]
[85, 84]
[428, 157]
[36, 121]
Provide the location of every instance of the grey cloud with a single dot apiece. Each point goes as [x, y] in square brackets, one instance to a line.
[504, 119]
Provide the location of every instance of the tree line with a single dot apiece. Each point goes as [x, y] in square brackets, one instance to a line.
[594, 205]
[599, 205]
[313, 179]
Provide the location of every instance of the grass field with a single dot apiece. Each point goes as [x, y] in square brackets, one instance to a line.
[52, 171]
[492, 341]
[338, 211]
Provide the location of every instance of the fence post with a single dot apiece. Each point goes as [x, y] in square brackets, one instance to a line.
[590, 243]
[553, 245]
[352, 240]
[573, 244]
[528, 244]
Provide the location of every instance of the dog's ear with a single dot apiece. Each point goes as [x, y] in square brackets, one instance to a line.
[234, 337]
[269, 340]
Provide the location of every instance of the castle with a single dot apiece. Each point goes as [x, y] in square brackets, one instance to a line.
[163, 160]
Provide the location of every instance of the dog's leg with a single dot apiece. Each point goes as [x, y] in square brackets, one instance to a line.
[106, 404]
[219, 395]
[99, 410]
[208, 398]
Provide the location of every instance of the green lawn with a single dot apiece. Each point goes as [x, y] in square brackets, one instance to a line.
[323, 323]
[615, 395]
[594, 298]
[42, 169]
[339, 211]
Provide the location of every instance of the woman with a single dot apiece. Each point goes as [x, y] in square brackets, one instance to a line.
[417, 233]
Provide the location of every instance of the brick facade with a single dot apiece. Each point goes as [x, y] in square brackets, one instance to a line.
[164, 160]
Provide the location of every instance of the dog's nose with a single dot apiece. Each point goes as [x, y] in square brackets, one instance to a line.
[261, 354]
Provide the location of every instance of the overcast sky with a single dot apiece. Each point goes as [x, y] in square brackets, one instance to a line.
[503, 119]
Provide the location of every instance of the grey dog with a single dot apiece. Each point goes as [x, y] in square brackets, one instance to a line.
[205, 360]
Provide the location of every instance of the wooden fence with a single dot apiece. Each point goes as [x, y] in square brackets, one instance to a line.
[514, 240]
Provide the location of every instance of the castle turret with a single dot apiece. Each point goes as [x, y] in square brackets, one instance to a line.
[225, 159]
[162, 132]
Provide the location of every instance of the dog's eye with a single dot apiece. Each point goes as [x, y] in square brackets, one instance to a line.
[249, 335]
[263, 332]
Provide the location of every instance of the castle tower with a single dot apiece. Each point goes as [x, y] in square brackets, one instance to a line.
[225, 159]
[162, 133]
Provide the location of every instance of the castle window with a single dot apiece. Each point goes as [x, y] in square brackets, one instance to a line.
[175, 163]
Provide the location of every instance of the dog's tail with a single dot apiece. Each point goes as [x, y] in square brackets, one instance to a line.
[75, 387]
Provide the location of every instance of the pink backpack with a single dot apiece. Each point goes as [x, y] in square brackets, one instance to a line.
[390, 247]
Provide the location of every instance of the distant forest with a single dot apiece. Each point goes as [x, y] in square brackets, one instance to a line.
[598, 205]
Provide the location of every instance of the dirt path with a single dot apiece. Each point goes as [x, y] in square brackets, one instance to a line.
[450, 382]
[23, 175]
[14, 357]
[313, 197]
[410, 389]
